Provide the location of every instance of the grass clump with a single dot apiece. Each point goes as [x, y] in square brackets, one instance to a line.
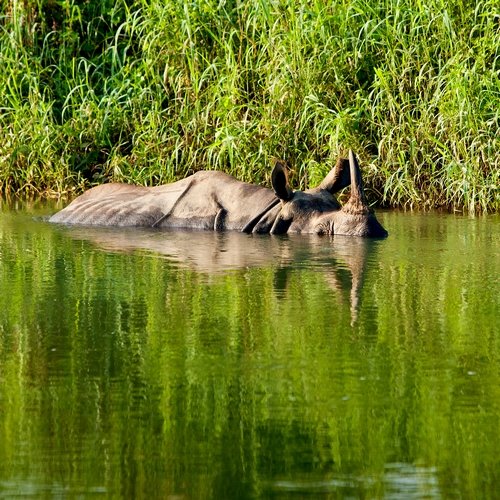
[149, 92]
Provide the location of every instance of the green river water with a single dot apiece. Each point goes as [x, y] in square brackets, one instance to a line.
[192, 365]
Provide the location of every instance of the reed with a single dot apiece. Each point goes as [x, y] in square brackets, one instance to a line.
[148, 92]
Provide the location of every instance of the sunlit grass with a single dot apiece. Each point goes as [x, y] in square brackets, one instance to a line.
[148, 92]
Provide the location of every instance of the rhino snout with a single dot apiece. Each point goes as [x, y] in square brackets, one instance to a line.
[359, 225]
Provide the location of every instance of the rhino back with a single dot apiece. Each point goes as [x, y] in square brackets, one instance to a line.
[205, 200]
[118, 205]
[215, 200]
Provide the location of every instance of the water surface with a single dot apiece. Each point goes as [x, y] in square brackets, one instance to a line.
[148, 364]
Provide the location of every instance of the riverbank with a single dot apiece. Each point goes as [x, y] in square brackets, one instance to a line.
[144, 92]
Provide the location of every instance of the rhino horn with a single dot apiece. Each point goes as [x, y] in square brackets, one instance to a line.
[357, 203]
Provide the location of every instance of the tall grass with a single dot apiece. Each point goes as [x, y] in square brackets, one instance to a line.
[149, 92]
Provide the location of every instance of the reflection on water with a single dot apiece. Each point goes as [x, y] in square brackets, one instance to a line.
[341, 260]
[139, 363]
[398, 481]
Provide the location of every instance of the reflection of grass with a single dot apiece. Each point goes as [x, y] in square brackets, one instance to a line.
[131, 373]
[148, 92]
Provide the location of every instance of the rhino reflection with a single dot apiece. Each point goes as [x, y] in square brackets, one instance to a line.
[341, 260]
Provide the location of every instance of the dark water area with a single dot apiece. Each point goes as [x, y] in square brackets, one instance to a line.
[149, 364]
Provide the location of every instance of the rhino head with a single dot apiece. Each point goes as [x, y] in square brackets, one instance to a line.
[317, 211]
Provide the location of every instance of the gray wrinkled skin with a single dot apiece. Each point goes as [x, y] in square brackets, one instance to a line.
[216, 201]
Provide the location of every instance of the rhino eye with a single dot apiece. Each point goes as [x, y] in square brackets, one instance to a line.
[325, 228]
[322, 229]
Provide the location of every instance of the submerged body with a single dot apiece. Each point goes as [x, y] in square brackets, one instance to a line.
[216, 201]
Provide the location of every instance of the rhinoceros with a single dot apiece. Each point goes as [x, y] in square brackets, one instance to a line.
[216, 201]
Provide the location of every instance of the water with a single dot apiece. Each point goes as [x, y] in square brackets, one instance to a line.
[146, 364]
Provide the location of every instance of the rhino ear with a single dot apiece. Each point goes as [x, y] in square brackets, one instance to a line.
[338, 178]
[279, 181]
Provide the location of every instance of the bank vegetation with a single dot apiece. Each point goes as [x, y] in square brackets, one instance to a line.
[151, 91]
